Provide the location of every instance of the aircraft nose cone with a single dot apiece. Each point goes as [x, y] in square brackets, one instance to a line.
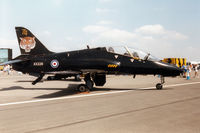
[176, 71]
[169, 70]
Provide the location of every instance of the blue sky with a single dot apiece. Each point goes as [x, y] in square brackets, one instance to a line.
[165, 28]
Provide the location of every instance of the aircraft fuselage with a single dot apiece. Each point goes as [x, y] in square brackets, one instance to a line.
[97, 60]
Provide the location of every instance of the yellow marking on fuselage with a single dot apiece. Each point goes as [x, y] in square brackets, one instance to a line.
[112, 66]
[24, 32]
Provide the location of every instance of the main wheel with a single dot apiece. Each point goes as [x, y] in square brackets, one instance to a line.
[83, 88]
[159, 86]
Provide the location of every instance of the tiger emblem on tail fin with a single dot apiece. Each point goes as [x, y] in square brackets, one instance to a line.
[27, 43]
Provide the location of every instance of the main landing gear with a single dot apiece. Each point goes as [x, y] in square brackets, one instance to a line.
[159, 86]
[88, 84]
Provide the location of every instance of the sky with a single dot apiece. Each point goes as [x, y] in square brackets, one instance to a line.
[164, 28]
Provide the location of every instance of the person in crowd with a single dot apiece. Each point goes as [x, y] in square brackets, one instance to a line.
[196, 71]
[189, 69]
[6, 69]
[184, 68]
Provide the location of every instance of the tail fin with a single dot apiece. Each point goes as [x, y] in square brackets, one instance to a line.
[29, 44]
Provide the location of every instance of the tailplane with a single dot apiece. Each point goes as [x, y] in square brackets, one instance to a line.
[29, 44]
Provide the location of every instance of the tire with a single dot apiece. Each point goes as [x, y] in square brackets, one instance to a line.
[82, 88]
[159, 86]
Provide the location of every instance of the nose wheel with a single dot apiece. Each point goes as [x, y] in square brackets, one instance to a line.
[159, 86]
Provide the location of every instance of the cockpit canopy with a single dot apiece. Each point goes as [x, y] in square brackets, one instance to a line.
[132, 52]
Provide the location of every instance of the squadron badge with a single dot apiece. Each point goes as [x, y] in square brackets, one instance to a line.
[27, 43]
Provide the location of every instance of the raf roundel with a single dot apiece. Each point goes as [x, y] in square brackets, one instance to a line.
[54, 63]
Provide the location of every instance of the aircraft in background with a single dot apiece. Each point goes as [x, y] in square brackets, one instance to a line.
[195, 62]
[94, 64]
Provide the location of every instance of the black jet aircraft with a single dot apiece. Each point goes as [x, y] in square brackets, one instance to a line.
[94, 64]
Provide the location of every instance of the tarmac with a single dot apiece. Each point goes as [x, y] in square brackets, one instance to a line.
[123, 105]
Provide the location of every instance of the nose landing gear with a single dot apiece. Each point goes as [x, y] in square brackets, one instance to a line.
[159, 86]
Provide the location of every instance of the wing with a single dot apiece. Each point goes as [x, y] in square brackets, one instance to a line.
[64, 72]
[84, 71]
